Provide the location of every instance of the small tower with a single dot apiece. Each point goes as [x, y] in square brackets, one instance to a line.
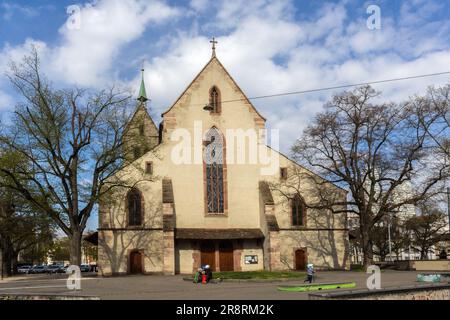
[141, 134]
[142, 92]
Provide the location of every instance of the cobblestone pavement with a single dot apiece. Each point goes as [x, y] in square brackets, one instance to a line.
[173, 287]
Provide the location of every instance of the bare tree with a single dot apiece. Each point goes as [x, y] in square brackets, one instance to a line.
[73, 140]
[427, 229]
[398, 240]
[433, 112]
[374, 151]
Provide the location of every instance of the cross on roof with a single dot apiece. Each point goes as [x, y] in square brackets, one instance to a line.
[214, 42]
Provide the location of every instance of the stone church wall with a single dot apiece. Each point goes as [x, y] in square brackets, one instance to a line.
[114, 250]
[325, 249]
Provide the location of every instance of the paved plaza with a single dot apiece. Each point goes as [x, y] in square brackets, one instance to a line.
[156, 287]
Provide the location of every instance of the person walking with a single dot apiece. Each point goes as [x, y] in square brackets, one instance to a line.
[310, 273]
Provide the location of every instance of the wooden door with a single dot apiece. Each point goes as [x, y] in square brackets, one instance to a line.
[300, 259]
[226, 256]
[135, 262]
[208, 254]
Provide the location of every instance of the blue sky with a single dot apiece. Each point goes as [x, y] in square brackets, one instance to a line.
[267, 46]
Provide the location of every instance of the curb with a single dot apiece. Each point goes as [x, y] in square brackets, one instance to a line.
[249, 280]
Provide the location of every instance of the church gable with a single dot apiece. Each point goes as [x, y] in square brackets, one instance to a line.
[140, 135]
[217, 81]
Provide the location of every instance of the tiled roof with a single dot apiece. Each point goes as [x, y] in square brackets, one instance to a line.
[197, 233]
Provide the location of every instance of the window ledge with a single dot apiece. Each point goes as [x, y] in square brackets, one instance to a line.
[136, 227]
[223, 215]
[298, 227]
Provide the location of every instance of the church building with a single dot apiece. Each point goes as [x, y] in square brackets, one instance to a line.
[194, 192]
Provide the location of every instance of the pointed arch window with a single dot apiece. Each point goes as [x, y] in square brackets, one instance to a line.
[298, 209]
[135, 212]
[215, 182]
[136, 152]
[214, 99]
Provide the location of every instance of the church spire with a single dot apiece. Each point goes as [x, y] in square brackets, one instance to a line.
[142, 93]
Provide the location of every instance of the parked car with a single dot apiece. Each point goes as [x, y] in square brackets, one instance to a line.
[85, 268]
[55, 269]
[38, 269]
[23, 269]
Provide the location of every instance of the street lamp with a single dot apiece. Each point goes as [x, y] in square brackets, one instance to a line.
[448, 208]
[389, 238]
[208, 107]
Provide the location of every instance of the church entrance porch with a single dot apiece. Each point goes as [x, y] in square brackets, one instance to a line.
[221, 249]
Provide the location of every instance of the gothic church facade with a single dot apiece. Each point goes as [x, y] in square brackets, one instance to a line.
[181, 210]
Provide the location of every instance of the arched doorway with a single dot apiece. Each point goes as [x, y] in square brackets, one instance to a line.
[208, 254]
[226, 256]
[136, 265]
[300, 259]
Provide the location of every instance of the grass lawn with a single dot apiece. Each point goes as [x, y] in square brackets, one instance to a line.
[265, 275]
[357, 268]
[317, 287]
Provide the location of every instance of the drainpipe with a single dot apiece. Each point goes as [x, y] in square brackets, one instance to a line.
[389, 237]
[448, 207]
[1, 263]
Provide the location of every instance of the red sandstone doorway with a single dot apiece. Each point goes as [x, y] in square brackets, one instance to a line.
[226, 260]
[300, 259]
[208, 254]
[136, 263]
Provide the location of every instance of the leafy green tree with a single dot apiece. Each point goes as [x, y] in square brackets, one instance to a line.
[60, 249]
[21, 226]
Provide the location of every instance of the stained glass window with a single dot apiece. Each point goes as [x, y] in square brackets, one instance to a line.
[134, 208]
[298, 211]
[214, 99]
[214, 171]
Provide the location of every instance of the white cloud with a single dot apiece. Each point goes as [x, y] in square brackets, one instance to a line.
[5, 101]
[200, 5]
[263, 46]
[267, 51]
[86, 55]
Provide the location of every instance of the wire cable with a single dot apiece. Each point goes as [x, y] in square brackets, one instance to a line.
[340, 86]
